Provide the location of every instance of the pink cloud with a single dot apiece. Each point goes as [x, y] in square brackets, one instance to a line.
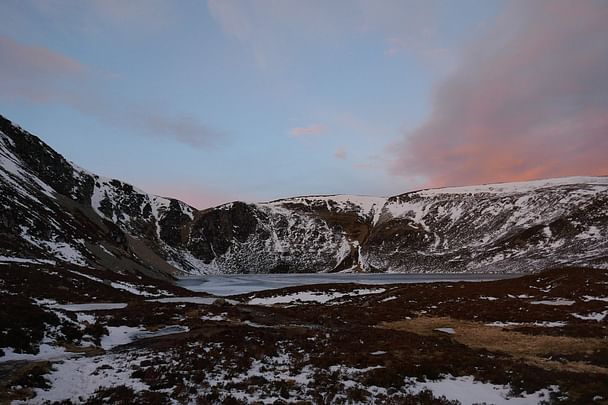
[340, 153]
[27, 60]
[195, 195]
[36, 73]
[314, 129]
[529, 100]
[40, 75]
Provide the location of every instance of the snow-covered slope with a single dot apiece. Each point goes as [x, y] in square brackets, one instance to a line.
[55, 211]
[496, 227]
[32, 224]
[514, 227]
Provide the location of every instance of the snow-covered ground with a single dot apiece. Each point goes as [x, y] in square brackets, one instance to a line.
[557, 301]
[47, 352]
[122, 335]
[468, 391]
[318, 297]
[73, 379]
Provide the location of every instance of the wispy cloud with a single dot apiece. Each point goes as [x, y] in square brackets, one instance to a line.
[133, 17]
[183, 128]
[40, 75]
[273, 31]
[36, 73]
[314, 129]
[152, 13]
[529, 100]
[23, 60]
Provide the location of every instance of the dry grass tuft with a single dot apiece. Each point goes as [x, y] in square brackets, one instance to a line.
[530, 348]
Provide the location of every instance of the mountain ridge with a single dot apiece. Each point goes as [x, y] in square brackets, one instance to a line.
[54, 210]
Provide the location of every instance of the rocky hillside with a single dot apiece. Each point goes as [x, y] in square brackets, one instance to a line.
[502, 227]
[55, 212]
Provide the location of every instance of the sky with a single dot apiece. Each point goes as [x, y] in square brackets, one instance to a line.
[254, 100]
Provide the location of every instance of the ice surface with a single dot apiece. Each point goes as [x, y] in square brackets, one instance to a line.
[246, 283]
[94, 306]
[191, 300]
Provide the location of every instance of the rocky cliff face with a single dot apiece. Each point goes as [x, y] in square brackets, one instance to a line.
[54, 211]
[306, 234]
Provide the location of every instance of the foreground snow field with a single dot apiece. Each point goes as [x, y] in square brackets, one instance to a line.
[513, 341]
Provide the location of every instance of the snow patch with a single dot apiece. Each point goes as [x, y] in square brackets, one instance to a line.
[557, 302]
[319, 297]
[46, 352]
[468, 391]
[594, 316]
[588, 298]
[80, 378]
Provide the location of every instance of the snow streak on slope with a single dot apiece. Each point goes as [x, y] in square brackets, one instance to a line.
[126, 205]
[516, 187]
[364, 206]
[14, 173]
[35, 199]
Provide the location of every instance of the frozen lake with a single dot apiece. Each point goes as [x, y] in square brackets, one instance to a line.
[246, 283]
